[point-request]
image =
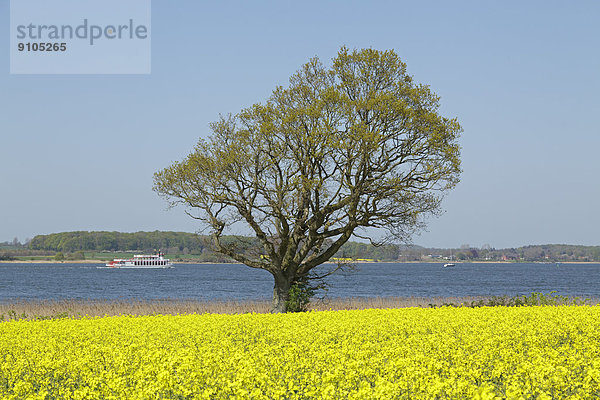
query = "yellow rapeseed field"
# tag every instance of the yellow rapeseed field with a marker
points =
(489, 352)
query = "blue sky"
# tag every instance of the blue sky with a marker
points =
(78, 152)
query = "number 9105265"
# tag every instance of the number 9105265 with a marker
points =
(42, 46)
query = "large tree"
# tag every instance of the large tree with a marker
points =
(351, 149)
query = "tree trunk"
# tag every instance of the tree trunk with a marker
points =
(281, 293)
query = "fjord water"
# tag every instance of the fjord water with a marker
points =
(207, 282)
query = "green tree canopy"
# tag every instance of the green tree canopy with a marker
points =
(341, 149)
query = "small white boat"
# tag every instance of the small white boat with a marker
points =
(450, 264)
(141, 261)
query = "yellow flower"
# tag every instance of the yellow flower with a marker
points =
(454, 353)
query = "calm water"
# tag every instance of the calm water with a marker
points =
(230, 281)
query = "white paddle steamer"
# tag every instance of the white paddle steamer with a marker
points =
(141, 261)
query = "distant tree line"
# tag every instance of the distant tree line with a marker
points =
(531, 253)
(184, 243)
(68, 242)
(14, 244)
(366, 251)
(180, 243)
